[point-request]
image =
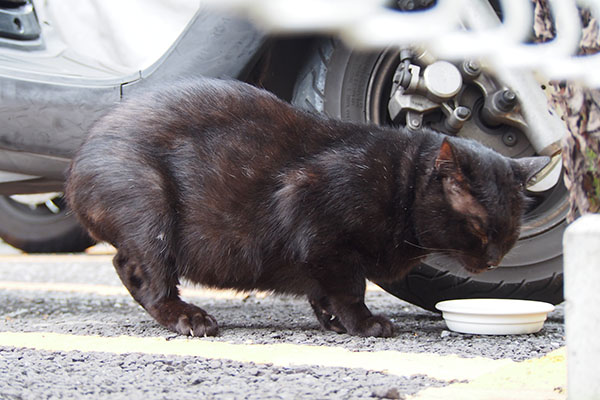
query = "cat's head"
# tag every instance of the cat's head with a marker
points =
(471, 202)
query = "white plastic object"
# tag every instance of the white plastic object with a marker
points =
(494, 316)
(581, 244)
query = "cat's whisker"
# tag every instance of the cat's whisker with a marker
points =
(436, 257)
(517, 246)
(432, 248)
(416, 245)
(419, 258)
(426, 231)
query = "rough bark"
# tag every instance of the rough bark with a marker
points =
(579, 107)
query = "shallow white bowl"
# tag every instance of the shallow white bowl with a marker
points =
(494, 316)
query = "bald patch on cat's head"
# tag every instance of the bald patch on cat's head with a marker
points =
(462, 201)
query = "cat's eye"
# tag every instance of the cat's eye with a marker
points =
(478, 229)
(484, 240)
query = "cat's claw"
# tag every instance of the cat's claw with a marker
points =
(326, 319)
(333, 324)
(185, 319)
(198, 324)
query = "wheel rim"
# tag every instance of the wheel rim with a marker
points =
(47, 208)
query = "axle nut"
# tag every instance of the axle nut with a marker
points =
(505, 100)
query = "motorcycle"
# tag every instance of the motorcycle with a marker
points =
(49, 98)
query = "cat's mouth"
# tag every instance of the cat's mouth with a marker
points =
(471, 264)
(475, 265)
(476, 270)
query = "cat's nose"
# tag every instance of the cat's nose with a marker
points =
(494, 257)
(494, 262)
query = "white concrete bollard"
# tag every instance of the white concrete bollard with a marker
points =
(582, 309)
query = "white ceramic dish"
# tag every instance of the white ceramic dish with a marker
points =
(494, 316)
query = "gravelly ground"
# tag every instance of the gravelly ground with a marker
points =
(254, 319)
(30, 374)
(33, 374)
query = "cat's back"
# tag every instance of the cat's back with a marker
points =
(207, 118)
(189, 108)
(206, 140)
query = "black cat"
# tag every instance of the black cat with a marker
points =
(226, 185)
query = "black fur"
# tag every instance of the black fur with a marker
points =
(225, 185)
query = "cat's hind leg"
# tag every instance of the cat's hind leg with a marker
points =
(160, 297)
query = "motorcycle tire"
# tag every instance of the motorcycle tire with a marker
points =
(335, 81)
(36, 229)
(12, 3)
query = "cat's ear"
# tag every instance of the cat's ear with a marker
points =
(529, 166)
(454, 185)
(446, 162)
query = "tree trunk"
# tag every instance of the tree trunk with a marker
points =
(579, 107)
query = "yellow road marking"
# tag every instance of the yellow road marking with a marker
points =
(440, 367)
(543, 378)
(8, 253)
(104, 290)
(44, 258)
(101, 248)
(109, 290)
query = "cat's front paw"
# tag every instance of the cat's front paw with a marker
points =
(184, 318)
(326, 319)
(197, 324)
(375, 325)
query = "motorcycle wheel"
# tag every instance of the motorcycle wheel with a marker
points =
(43, 225)
(352, 85)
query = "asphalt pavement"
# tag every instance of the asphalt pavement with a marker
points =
(68, 329)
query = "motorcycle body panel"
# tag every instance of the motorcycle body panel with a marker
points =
(50, 97)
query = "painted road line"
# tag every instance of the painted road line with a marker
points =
(52, 258)
(101, 249)
(109, 290)
(543, 378)
(103, 290)
(441, 367)
(98, 249)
